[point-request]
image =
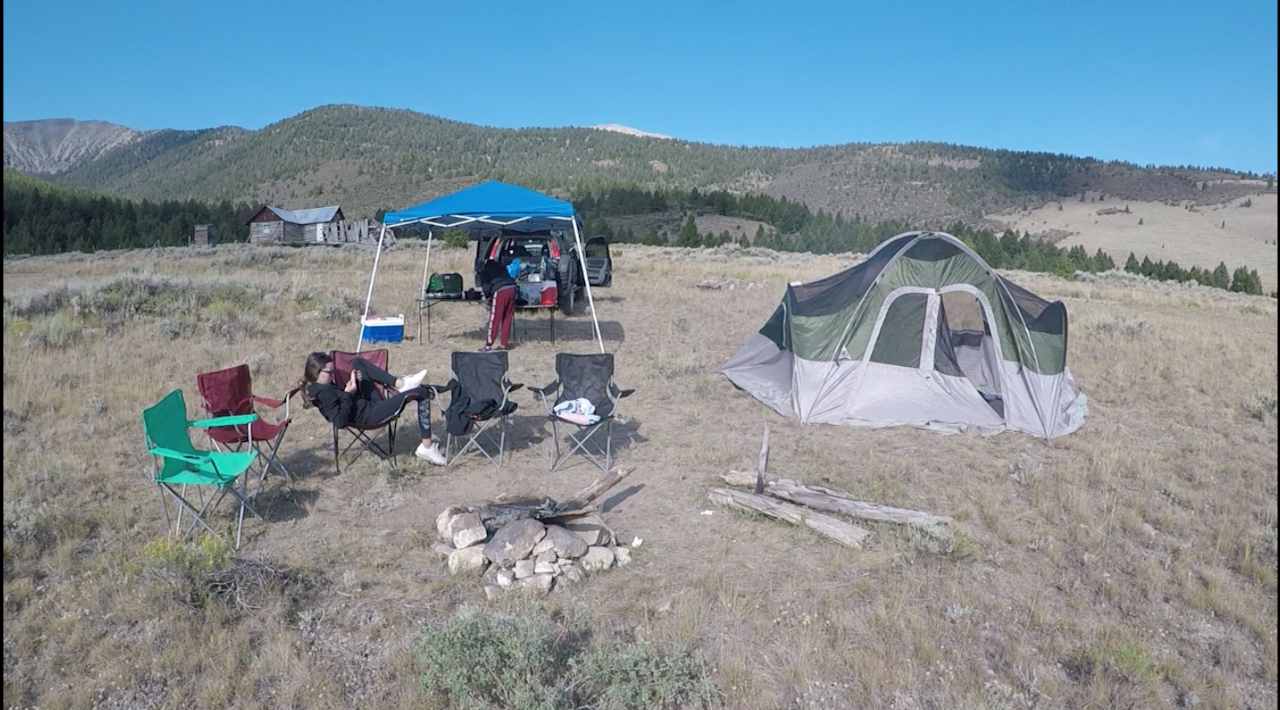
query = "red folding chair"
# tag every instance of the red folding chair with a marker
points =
(342, 365)
(229, 392)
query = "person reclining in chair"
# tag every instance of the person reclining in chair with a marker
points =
(359, 402)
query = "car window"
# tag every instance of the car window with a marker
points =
(597, 249)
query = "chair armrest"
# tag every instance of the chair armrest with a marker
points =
(438, 390)
(513, 386)
(175, 454)
(547, 390)
(267, 401)
(224, 421)
(626, 393)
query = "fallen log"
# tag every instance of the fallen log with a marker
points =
(834, 528)
(835, 501)
(585, 497)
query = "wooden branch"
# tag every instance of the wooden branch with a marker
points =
(828, 526)
(585, 497)
(762, 463)
(834, 501)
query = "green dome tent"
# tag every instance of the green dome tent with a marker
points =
(922, 333)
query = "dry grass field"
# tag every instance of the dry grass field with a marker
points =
(1132, 564)
(1241, 232)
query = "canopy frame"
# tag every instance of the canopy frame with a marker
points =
(471, 222)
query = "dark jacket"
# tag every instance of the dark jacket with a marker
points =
(335, 405)
(493, 277)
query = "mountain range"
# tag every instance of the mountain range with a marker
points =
(376, 158)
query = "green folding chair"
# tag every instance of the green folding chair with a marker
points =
(179, 464)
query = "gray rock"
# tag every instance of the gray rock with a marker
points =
(545, 545)
(548, 557)
(565, 543)
(443, 549)
(622, 556)
(505, 578)
(524, 568)
(597, 559)
(468, 560)
(571, 572)
(590, 529)
(442, 521)
(514, 541)
(538, 582)
(491, 592)
(546, 568)
(466, 530)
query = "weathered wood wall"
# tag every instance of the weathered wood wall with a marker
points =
(203, 236)
(337, 232)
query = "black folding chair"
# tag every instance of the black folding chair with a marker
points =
(588, 377)
(343, 362)
(480, 401)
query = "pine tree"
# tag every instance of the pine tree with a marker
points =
(1147, 269)
(1131, 264)
(689, 234)
(1221, 278)
(1240, 282)
(1102, 261)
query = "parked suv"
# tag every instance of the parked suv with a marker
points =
(552, 274)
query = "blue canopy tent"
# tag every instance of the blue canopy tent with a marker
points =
(482, 207)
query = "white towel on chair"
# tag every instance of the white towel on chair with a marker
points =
(579, 411)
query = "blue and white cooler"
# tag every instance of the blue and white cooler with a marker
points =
(386, 329)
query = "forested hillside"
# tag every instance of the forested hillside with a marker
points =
(40, 218)
(373, 158)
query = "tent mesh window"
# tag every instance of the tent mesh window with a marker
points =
(902, 332)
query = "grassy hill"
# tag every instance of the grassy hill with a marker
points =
(371, 158)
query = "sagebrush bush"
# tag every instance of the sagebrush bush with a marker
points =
(640, 675)
(56, 332)
(1261, 407)
(480, 660)
(184, 565)
(483, 660)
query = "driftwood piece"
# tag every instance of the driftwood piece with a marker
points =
(501, 512)
(834, 501)
(762, 463)
(585, 497)
(845, 533)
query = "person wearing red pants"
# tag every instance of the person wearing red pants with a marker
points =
(501, 288)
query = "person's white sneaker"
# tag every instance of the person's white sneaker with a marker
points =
(430, 453)
(408, 382)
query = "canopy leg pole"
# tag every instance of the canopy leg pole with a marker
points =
(426, 264)
(368, 298)
(422, 295)
(582, 261)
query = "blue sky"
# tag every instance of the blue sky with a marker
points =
(1149, 82)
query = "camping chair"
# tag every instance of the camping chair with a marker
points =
(342, 366)
(480, 398)
(230, 392)
(587, 377)
(178, 463)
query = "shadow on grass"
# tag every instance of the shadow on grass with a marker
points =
(616, 499)
(524, 432)
(574, 330)
(626, 433)
(283, 503)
